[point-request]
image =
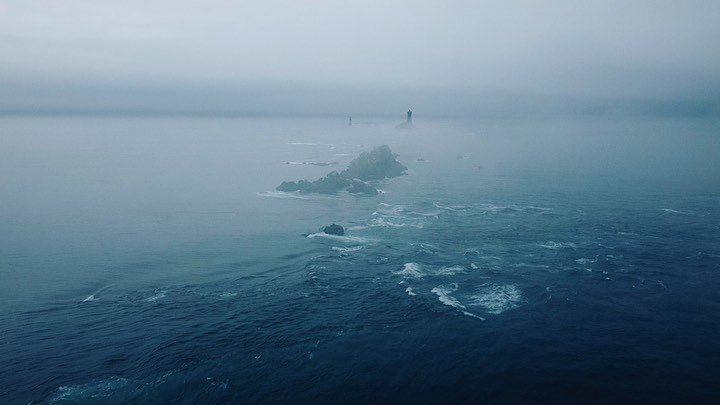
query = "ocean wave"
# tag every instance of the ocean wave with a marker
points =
(508, 209)
(455, 208)
(347, 239)
(585, 260)
(671, 211)
(443, 293)
(347, 249)
(497, 298)
(158, 296)
(381, 222)
(450, 270)
(557, 245)
(410, 270)
(537, 266)
(94, 390)
(282, 194)
(426, 248)
(409, 291)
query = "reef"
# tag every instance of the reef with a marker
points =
(379, 163)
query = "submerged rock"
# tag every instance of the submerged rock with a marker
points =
(334, 229)
(380, 163)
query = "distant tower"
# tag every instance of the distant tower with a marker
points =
(350, 121)
(409, 117)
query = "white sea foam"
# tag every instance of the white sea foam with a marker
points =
(474, 266)
(343, 238)
(557, 245)
(671, 211)
(84, 392)
(409, 291)
(537, 266)
(497, 298)
(347, 249)
(585, 260)
(158, 296)
(443, 293)
(450, 270)
(410, 270)
(282, 194)
(450, 207)
(384, 223)
(90, 298)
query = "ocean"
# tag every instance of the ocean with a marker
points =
(543, 260)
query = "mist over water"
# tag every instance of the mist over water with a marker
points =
(152, 259)
(549, 232)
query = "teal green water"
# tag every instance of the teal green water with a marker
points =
(557, 260)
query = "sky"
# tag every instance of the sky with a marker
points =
(448, 57)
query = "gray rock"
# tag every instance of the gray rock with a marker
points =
(361, 187)
(380, 163)
(334, 229)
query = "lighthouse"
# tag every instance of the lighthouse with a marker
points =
(409, 117)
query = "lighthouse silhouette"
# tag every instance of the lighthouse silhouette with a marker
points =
(409, 117)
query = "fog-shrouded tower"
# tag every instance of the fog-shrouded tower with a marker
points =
(409, 117)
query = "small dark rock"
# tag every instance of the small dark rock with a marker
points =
(334, 229)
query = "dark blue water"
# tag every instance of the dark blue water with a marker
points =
(149, 260)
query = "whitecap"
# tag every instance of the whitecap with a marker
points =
(671, 211)
(450, 270)
(537, 266)
(355, 239)
(474, 266)
(384, 223)
(159, 295)
(497, 298)
(410, 270)
(443, 293)
(409, 291)
(557, 245)
(91, 297)
(585, 260)
(450, 207)
(347, 249)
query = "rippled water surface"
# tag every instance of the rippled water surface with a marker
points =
(151, 260)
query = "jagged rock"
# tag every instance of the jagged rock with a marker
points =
(330, 184)
(380, 163)
(361, 187)
(334, 229)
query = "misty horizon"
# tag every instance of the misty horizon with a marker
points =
(281, 58)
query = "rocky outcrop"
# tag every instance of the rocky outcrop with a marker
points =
(380, 163)
(334, 229)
